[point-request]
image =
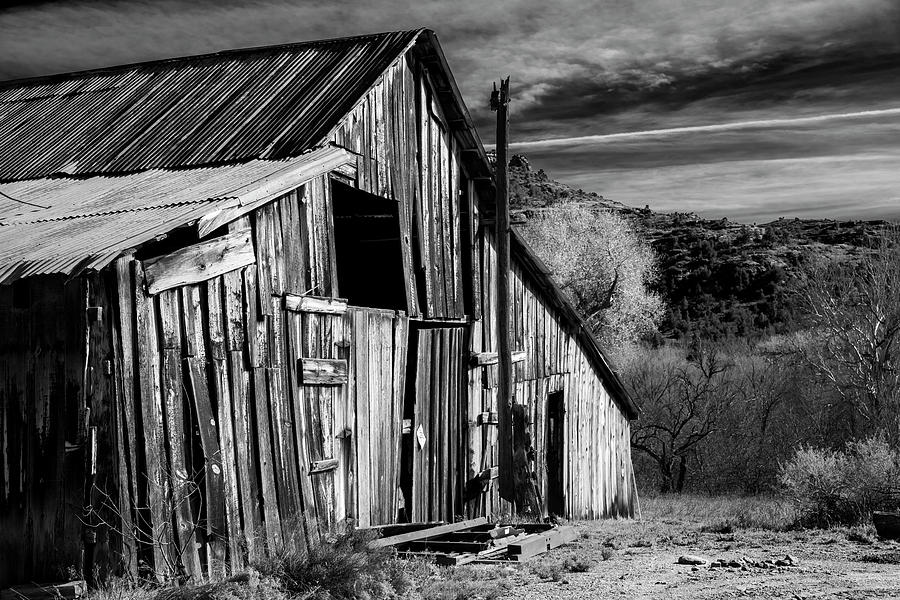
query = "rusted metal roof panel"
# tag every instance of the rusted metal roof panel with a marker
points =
(262, 103)
(66, 225)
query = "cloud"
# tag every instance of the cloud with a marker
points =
(835, 167)
(715, 128)
(568, 60)
(581, 68)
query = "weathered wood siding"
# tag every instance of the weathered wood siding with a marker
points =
(265, 408)
(597, 454)
(407, 153)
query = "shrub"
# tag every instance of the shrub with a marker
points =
(340, 567)
(548, 569)
(842, 487)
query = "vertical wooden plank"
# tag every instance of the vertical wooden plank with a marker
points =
(362, 470)
(125, 357)
(276, 251)
(326, 408)
(245, 458)
(263, 245)
(400, 345)
(389, 426)
(439, 214)
(266, 467)
(313, 396)
(222, 391)
(298, 401)
(339, 439)
(149, 369)
(184, 488)
(455, 417)
(328, 238)
(424, 204)
(375, 419)
(208, 426)
(287, 486)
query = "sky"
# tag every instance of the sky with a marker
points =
(750, 109)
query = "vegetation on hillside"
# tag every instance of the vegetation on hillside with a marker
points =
(775, 339)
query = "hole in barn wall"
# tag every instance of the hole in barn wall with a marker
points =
(367, 247)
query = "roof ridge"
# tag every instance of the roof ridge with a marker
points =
(111, 69)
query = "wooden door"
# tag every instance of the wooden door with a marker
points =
(437, 457)
(555, 454)
(375, 415)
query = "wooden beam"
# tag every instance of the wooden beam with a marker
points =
(427, 533)
(315, 304)
(447, 546)
(199, 262)
(482, 359)
(67, 591)
(323, 371)
(323, 466)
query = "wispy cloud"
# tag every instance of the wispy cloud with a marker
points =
(735, 126)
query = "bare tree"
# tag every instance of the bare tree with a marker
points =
(684, 395)
(604, 266)
(852, 333)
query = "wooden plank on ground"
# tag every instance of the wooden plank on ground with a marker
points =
(446, 546)
(426, 533)
(199, 262)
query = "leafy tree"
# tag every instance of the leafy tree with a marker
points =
(605, 268)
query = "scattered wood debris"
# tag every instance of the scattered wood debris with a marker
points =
(475, 541)
(72, 590)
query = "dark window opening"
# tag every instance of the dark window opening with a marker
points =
(368, 249)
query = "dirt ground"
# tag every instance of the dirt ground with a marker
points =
(631, 559)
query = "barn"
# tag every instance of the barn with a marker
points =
(251, 296)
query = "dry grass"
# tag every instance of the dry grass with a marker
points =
(342, 567)
(467, 583)
(721, 514)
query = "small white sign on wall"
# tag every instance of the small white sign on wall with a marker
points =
(420, 436)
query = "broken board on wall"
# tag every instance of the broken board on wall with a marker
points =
(477, 541)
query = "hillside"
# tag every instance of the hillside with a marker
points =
(719, 277)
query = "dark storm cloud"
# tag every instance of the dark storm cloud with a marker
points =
(569, 60)
(582, 68)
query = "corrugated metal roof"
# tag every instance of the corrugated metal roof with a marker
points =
(66, 225)
(260, 103)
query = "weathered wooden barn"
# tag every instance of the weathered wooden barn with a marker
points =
(251, 295)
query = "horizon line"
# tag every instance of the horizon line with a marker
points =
(702, 128)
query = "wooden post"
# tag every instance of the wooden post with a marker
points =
(499, 103)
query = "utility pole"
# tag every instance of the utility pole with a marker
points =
(517, 484)
(500, 104)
